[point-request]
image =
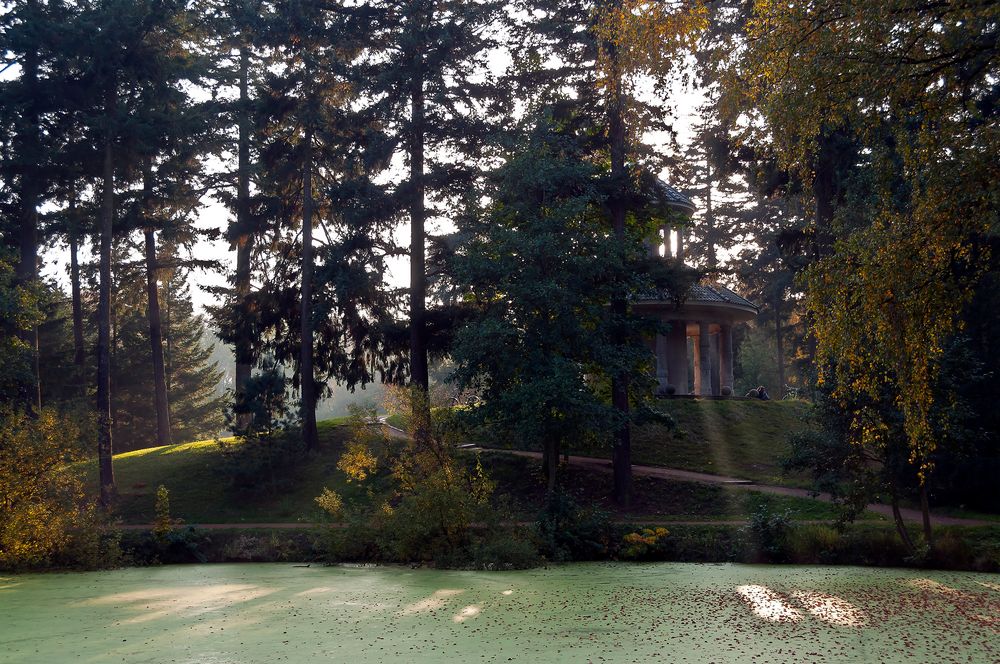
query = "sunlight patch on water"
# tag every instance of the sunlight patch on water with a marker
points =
(830, 609)
(507, 592)
(315, 591)
(933, 586)
(767, 604)
(432, 603)
(985, 584)
(154, 603)
(470, 611)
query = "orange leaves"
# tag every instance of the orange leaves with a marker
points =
(647, 37)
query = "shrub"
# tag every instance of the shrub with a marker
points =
(163, 524)
(43, 508)
(643, 544)
(812, 544)
(767, 534)
(567, 531)
(266, 446)
(504, 549)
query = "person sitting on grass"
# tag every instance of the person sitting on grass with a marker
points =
(762, 394)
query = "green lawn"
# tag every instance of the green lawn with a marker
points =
(745, 439)
(654, 498)
(199, 492)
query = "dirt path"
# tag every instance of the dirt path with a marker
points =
(604, 465)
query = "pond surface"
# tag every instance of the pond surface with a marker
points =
(215, 614)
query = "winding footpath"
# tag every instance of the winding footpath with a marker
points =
(659, 472)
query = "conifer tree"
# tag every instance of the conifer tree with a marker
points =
(428, 77)
(602, 48)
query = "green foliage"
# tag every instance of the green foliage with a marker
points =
(768, 532)
(539, 272)
(266, 449)
(163, 525)
(757, 362)
(192, 380)
(20, 308)
(44, 512)
(420, 504)
(568, 531)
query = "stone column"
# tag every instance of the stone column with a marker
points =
(714, 355)
(662, 363)
(696, 363)
(677, 356)
(726, 358)
(704, 363)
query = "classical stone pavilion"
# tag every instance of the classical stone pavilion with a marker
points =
(696, 356)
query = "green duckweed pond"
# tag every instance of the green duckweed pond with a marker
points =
(601, 612)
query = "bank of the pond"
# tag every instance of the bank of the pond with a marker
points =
(770, 541)
(573, 613)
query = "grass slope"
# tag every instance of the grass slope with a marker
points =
(745, 439)
(199, 492)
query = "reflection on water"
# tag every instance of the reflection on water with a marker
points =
(830, 609)
(432, 603)
(153, 603)
(767, 604)
(470, 611)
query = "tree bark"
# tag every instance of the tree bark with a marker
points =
(160, 399)
(309, 433)
(156, 344)
(779, 343)
(79, 352)
(925, 514)
(897, 517)
(418, 278)
(29, 148)
(243, 350)
(621, 454)
(104, 445)
(710, 254)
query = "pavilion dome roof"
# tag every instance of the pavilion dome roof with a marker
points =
(704, 293)
(667, 196)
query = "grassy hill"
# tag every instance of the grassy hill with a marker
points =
(200, 492)
(745, 439)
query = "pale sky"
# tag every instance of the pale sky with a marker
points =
(215, 215)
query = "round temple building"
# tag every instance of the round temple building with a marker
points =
(695, 355)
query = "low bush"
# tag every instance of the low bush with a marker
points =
(567, 531)
(768, 533)
(267, 446)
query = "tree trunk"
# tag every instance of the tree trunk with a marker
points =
(156, 344)
(104, 446)
(710, 254)
(244, 239)
(160, 403)
(897, 516)
(29, 148)
(309, 433)
(79, 352)
(551, 464)
(621, 454)
(418, 277)
(779, 343)
(925, 514)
